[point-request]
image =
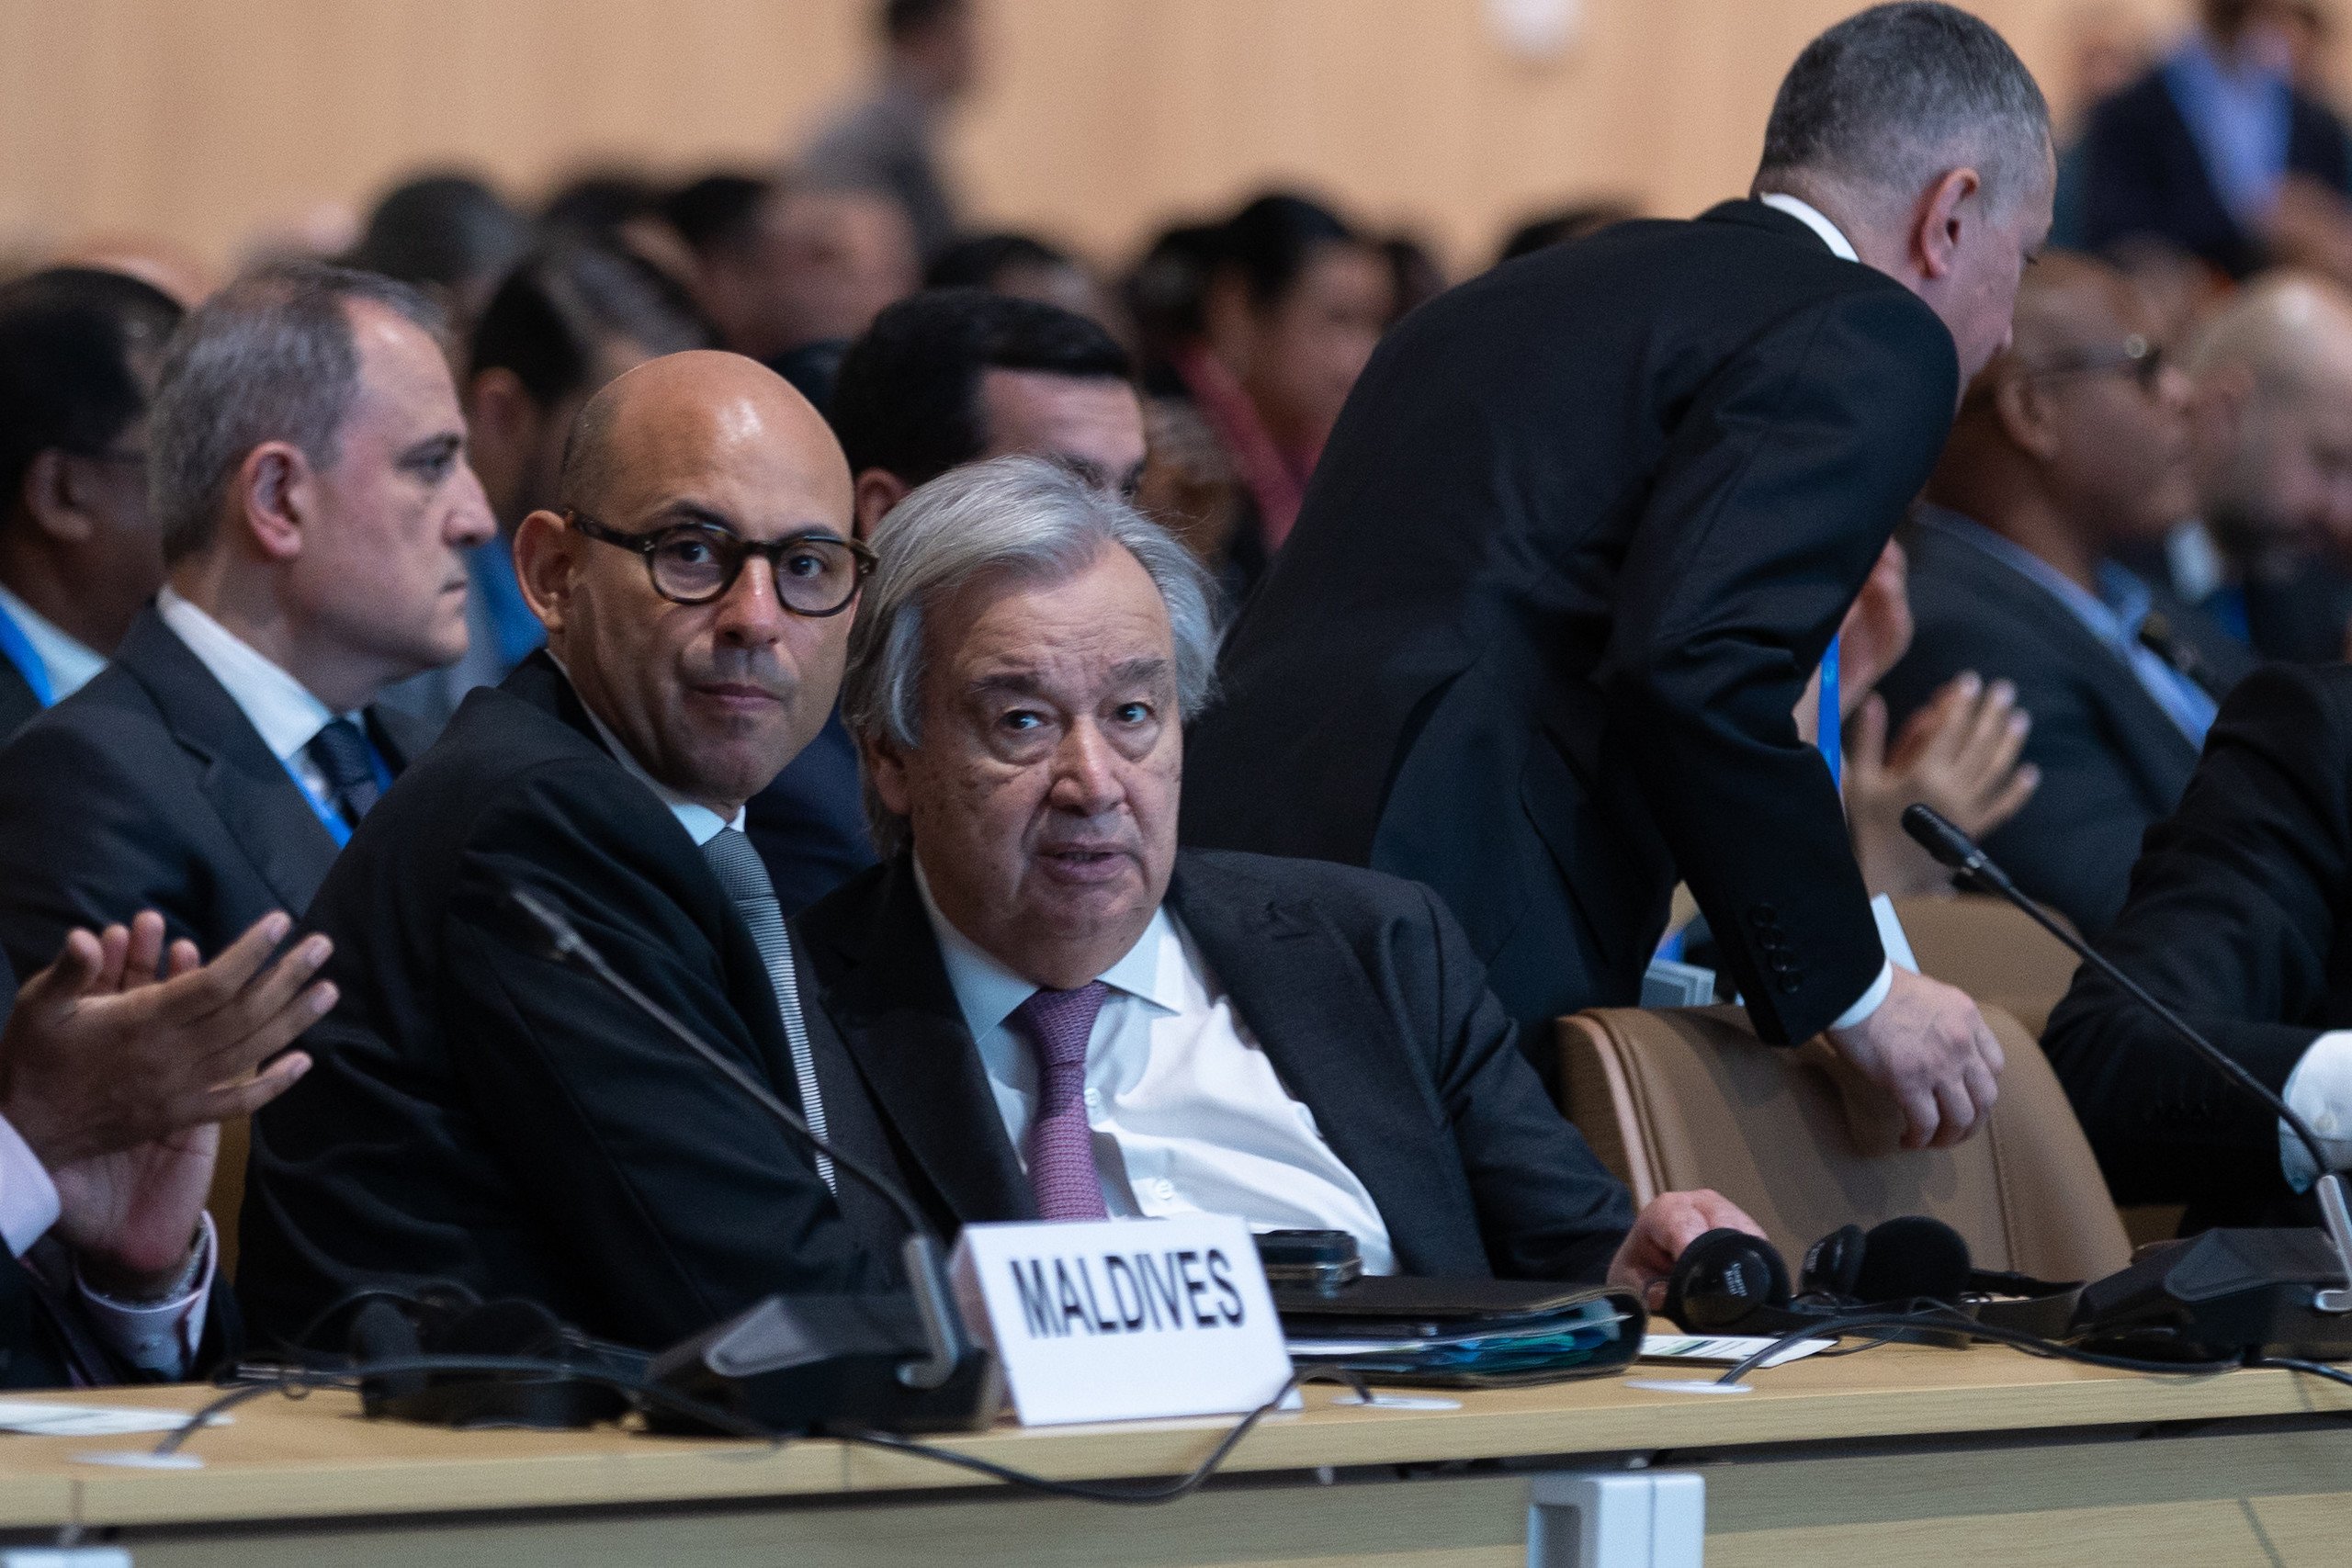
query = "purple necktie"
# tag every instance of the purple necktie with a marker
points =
(1061, 1143)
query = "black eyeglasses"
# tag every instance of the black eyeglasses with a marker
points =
(2143, 359)
(694, 563)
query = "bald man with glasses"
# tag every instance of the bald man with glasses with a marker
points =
(485, 1115)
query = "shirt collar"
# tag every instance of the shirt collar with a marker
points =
(701, 823)
(69, 661)
(2116, 610)
(987, 992)
(287, 713)
(1811, 217)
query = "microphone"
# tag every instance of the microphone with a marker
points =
(949, 1355)
(1951, 846)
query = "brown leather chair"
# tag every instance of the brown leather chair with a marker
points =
(1991, 950)
(227, 1200)
(1691, 1098)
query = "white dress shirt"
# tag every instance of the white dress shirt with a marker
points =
(2320, 1091)
(68, 662)
(157, 1336)
(1843, 249)
(284, 712)
(1188, 1114)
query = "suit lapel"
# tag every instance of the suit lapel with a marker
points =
(2162, 755)
(1303, 993)
(888, 997)
(259, 802)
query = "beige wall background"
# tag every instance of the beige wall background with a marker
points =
(205, 121)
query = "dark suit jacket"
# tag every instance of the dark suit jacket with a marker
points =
(1580, 538)
(2143, 177)
(810, 825)
(1369, 1004)
(150, 789)
(2237, 921)
(481, 1113)
(19, 706)
(2112, 762)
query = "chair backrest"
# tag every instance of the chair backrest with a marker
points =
(227, 1200)
(1691, 1098)
(1992, 951)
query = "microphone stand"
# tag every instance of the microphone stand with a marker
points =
(1951, 848)
(951, 1367)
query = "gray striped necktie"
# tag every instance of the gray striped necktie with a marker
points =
(743, 877)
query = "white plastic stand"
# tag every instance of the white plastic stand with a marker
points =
(1619, 1519)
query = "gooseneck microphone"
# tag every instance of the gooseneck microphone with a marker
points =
(1951, 846)
(947, 1344)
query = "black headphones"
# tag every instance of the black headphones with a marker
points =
(1729, 1281)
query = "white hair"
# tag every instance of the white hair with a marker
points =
(1034, 522)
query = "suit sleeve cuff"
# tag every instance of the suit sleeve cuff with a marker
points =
(28, 1206)
(1898, 952)
(2320, 1091)
(159, 1338)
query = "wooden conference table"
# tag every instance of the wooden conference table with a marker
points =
(1895, 1455)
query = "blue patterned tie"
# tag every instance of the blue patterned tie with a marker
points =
(345, 760)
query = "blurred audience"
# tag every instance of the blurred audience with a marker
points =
(449, 234)
(2071, 449)
(2218, 150)
(944, 379)
(79, 557)
(1415, 275)
(718, 217)
(561, 326)
(308, 477)
(890, 141)
(1560, 227)
(836, 255)
(2271, 428)
(1027, 267)
(1290, 302)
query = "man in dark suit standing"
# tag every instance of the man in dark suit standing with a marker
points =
(2071, 449)
(309, 477)
(1588, 524)
(79, 350)
(2237, 921)
(1061, 1015)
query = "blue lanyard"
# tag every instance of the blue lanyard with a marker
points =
(1826, 731)
(329, 817)
(19, 651)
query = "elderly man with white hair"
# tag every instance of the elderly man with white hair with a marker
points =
(1061, 1016)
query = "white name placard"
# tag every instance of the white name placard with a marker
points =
(1117, 1320)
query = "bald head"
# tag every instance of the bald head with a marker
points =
(2273, 421)
(706, 452)
(2291, 332)
(681, 408)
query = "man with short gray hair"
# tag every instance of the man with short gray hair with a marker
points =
(308, 475)
(1589, 526)
(1062, 1017)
